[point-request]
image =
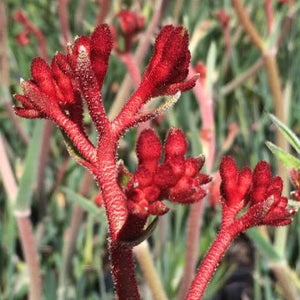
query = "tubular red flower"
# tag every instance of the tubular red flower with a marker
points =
(170, 53)
(260, 195)
(130, 22)
(101, 46)
(177, 179)
(259, 191)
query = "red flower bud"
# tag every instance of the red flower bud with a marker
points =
(223, 17)
(22, 38)
(41, 74)
(148, 149)
(158, 208)
(130, 22)
(176, 144)
(169, 64)
(101, 46)
(261, 191)
(64, 83)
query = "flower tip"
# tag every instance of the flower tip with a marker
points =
(148, 145)
(176, 144)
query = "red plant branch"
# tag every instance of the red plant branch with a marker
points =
(260, 194)
(29, 27)
(205, 104)
(57, 91)
(62, 8)
(270, 15)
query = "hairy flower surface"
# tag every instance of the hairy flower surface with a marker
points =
(258, 192)
(177, 178)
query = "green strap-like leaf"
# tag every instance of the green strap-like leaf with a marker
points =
(26, 183)
(288, 133)
(287, 159)
(85, 203)
(264, 245)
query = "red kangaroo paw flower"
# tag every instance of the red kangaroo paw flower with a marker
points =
(223, 17)
(42, 75)
(176, 144)
(165, 74)
(177, 179)
(295, 177)
(27, 113)
(170, 53)
(64, 84)
(260, 195)
(101, 46)
(129, 24)
(148, 149)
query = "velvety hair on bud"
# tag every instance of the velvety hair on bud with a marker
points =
(176, 144)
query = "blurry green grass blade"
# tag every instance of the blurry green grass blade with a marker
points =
(74, 153)
(88, 247)
(288, 133)
(210, 64)
(85, 203)
(25, 191)
(287, 159)
(263, 244)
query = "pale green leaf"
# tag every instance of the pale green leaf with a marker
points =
(287, 159)
(28, 178)
(288, 133)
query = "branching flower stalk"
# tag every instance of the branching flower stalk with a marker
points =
(57, 92)
(205, 103)
(248, 199)
(270, 63)
(60, 92)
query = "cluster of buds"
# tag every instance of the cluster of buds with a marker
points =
(128, 25)
(177, 179)
(58, 91)
(259, 192)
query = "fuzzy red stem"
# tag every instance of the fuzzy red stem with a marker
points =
(196, 213)
(210, 263)
(31, 256)
(270, 15)
(117, 214)
(123, 272)
(62, 7)
(80, 141)
(193, 233)
(102, 11)
(205, 103)
(129, 111)
(114, 198)
(131, 65)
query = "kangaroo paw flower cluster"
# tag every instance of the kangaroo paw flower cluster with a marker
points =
(177, 179)
(128, 25)
(257, 191)
(259, 194)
